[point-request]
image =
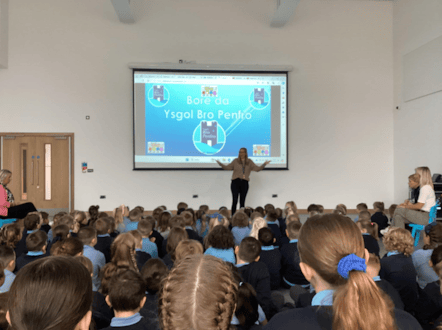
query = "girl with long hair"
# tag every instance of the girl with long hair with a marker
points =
(123, 256)
(333, 260)
(200, 292)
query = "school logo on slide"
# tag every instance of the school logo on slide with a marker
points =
(259, 98)
(209, 137)
(209, 91)
(158, 96)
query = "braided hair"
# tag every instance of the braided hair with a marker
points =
(199, 293)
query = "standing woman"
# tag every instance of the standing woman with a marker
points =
(417, 212)
(241, 166)
(8, 208)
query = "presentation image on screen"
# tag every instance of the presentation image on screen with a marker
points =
(188, 120)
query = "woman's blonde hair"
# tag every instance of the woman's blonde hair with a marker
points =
(399, 239)
(246, 158)
(425, 175)
(358, 303)
(4, 174)
(200, 292)
(258, 223)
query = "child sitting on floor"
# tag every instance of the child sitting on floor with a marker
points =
(141, 256)
(379, 217)
(255, 272)
(153, 273)
(36, 244)
(145, 227)
(7, 262)
(241, 229)
(220, 243)
(397, 266)
(360, 207)
(126, 297)
(271, 256)
(290, 270)
(369, 232)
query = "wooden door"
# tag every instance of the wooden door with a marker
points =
(41, 167)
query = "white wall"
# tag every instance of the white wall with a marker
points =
(417, 123)
(4, 24)
(68, 59)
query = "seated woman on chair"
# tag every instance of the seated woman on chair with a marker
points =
(8, 208)
(418, 212)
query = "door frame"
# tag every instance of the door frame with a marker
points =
(70, 137)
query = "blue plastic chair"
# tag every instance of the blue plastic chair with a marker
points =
(6, 221)
(416, 229)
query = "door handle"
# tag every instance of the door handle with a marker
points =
(38, 173)
(32, 172)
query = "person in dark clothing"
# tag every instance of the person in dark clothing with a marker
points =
(271, 256)
(398, 269)
(104, 240)
(273, 224)
(290, 270)
(36, 244)
(255, 272)
(369, 232)
(45, 224)
(379, 216)
(126, 297)
(153, 272)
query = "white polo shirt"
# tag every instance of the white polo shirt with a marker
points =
(428, 197)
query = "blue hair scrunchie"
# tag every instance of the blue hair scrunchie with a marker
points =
(349, 263)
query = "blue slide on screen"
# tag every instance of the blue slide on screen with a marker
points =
(189, 121)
